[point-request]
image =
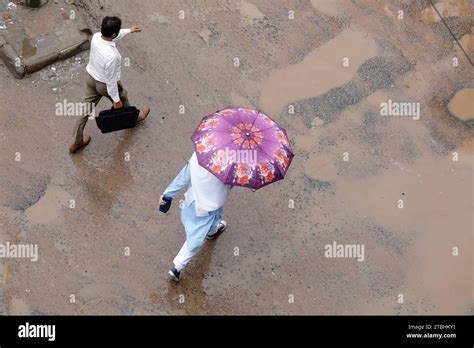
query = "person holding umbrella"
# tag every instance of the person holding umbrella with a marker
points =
(201, 213)
(233, 147)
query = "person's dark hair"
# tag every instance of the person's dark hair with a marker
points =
(110, 26)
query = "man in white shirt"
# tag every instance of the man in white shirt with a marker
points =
(103, 76)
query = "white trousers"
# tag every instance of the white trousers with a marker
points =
(185, 255)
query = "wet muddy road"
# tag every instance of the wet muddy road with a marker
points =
(402, 186)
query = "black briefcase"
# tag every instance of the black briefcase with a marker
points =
(117, 119)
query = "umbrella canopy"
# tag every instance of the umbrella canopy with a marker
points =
(243, 147)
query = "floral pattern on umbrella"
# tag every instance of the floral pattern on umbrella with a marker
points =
(243, 147)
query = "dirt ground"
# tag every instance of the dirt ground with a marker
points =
(352, 165)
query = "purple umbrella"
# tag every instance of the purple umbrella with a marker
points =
(243, 147)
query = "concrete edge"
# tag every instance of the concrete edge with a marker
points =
(19, 68)
(38, 62)
(11, 59)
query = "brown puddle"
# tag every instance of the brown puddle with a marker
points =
(330, 8)
(378, 195)
(239, 100)
(27, 50)
(205, 34)
(450, 8)
(250, 10)
(319, 72)
(48, 208)
(7, 274)
(438, 203)
(320, 167)
(434, 219)
(467, 42)
(305, 142)
(462, 104)
(467, 148)
(436, 216)
(18, 306)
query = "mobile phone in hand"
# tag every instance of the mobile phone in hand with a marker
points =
(165, 207)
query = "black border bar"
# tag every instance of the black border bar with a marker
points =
(139, 330)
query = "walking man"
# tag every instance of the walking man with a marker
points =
(103, 76)
(201, 214)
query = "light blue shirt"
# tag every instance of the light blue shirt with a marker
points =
(196, 227)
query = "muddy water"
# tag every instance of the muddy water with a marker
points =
(437, 194)
(438, 273)
(452, 8)
(250, 10)
(467, 42)
(84, 253)
(27, 50)
(414, 185)
(18, 306)
(7, 274)
(319, 72)
(48, 208)
(205, 34)
(462, 104)
(240, 100)
(305, 142)
(321, 167)
(330, 8)
(436, 217)
(449, 8)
